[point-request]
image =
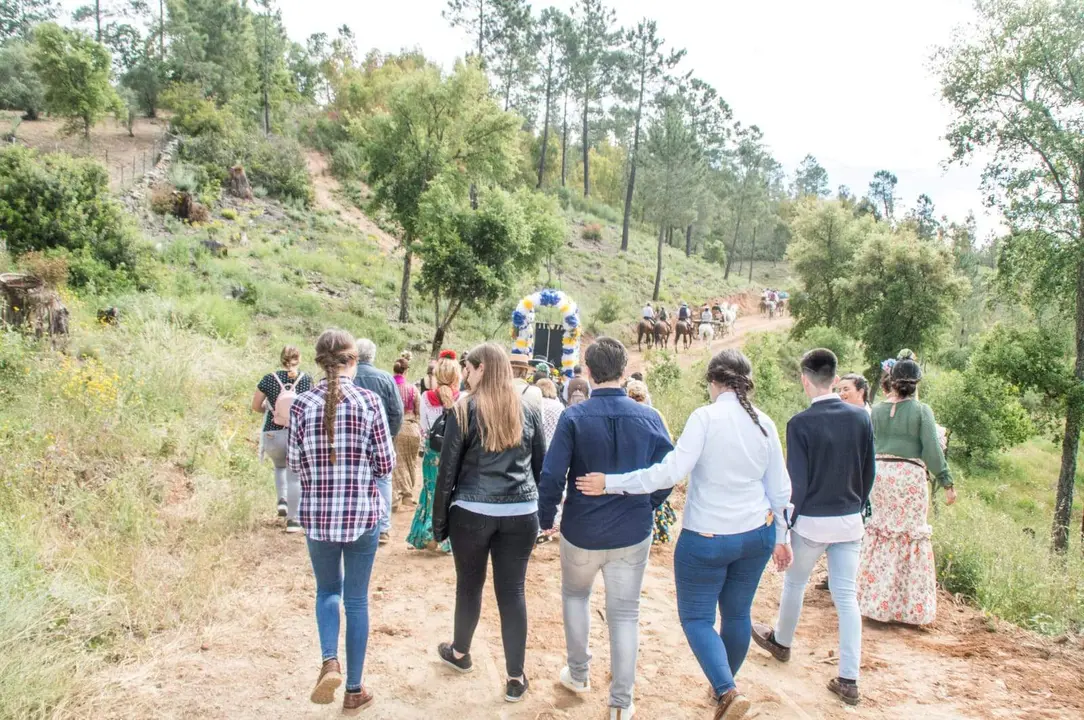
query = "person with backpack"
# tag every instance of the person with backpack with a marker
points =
(577, 389)
(435, 404)
(683, 313)
(487, 504)
(339, 446)
(275, 393)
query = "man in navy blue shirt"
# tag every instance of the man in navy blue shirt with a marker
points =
(831, 461)
(608, 433)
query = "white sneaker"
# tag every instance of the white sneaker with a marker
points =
(623, 713)
(575, 685)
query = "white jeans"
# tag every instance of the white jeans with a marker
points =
(843, 570)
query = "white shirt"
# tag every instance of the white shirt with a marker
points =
(705, 316)
(737, 475)
(648, 312)
(828, 530)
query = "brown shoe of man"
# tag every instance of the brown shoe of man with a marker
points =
(331, 677)
(355, 702)
(764, 636)
(847, 690)
(732, 706)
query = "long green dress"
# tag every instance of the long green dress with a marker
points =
(421, 530)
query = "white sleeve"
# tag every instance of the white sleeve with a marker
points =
(677, 464)
(777, 482)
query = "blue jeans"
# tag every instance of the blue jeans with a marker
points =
(342, 571)
(723, 571)
(384, 486)
(843, 569)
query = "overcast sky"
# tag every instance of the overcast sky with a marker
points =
(846, 80)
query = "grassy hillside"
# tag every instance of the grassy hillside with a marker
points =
(130, 454)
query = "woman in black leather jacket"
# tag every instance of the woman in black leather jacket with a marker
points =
(487, 503)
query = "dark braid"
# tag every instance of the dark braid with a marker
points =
(334, 350)
(731, 369)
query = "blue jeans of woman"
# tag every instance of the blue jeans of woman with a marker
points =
(723, 571)
(342, 573)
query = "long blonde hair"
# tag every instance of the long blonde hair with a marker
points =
(500, 412)
(446, 374)
(335, 349)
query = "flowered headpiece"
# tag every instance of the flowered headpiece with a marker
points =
(447, 355)
(887, 365)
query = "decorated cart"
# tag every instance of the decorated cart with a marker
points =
(556, 344)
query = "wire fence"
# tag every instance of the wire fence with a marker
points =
(127, 169)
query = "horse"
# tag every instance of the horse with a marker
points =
(662, 333)
(728, 317)
(683, 331)
(763, 306)
(771, 310)
(707, 332)
(646, 328)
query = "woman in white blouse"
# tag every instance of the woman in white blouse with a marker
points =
(732, 523)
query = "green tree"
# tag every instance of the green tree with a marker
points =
(18, 17)
(751, 161)
(555, 27)
(20, 86)
(826, 236)
(645, 66)
(75, 72)
(1014, 83)
(515, 57)
(923, 218)
(900, 294)
(673, 175)
(592, 66)
(212, 43)
(810, 179)
(433, 127)
(271, 45)
(882, 191)
(479, 18)
(983, 413)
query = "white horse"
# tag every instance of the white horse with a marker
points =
(707, 332)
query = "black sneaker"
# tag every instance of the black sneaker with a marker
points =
(463, 664)
(282, 508)
(293, 526)
(514, 690)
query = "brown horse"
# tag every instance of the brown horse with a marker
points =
(662, 333)
(683, 331)
(646, 328)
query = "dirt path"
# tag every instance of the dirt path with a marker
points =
(745, 326)
(326, 187)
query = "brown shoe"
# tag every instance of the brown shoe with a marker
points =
(847, 691)
(331, 677)
(732, 706)
(764, 636)
(355, 702)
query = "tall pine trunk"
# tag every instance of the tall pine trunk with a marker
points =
(658, 263)
(404, 289)
(752, 251)
(161, 31)
(734, 245)
(545, 130)
(98, 20)
(586, 144)
(632, 158)
(564, 142)
(1074, 417)
(689, 240)
(266, 111)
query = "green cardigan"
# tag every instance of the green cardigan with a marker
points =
(912, 433)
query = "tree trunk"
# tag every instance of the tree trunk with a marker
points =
(545, 130)
(689, 240)
(98, 20)
(86, 128)
(670, 236)
(1074, 416)
(404, 290)
(481, 31)
(266, 111)
(564, 142)
(161, 31)
(586, 147)
(752, 251)
(734, 244)
(658, 264)
(632, 158)
(438, 327)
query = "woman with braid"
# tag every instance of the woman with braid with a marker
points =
(732, 523)
(339, 445)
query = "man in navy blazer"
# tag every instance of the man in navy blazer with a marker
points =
(831, 461)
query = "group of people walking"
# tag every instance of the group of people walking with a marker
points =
(497, 472)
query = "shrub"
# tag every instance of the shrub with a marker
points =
(184, 178)
(194, 114)
(592, 232)
(278, 164)
(51, 269)
(54, 202)
(325, 133)
(845, 348)
(162, 200)
(664, 373)
(347, 161)
(609, 308)
(982, 411)
(229, 214)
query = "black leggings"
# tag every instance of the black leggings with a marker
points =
(510, 540)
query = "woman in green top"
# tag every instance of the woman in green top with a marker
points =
(896, 580)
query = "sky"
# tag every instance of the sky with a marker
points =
(848, 81)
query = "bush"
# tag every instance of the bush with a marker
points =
(229, 214)
(278, 164)
(982, 411)
(162, 202)
(664, 373)
(347, 161)
(592, 232)
(194, 114)
(845, 348)
(51, 269)
(609, 308)
(184, 178)
(56, 202)
(326, 133)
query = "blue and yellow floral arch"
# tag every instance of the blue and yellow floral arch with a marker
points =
(523, 326)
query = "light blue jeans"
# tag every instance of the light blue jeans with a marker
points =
(623, 572)
(843, 571)
(342, 573)
(384, 486)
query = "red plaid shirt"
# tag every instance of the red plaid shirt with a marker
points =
(340, 502)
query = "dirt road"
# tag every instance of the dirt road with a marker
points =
(258, 655)
(325, 189)
(746, 325)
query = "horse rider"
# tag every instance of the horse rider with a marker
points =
(648, 313)
(683, 312)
